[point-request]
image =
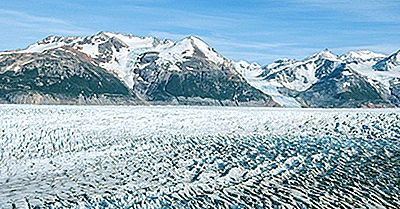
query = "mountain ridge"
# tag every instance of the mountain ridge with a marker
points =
(291, 78)
(154, 71)
(189, 71)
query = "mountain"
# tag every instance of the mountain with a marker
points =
(254, 74)
(284, 78)
(190, 72)
(59, 76)
(343, 87)
(361, 56)
(113, 68)
(355, 79)
(300, 75)
(389, 63)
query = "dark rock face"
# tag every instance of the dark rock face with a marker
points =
(395, 91)
(325, 68)
(106, 49)
(388, 63)
(342, 88)
(59, 76)
(198, 82)
(381, 66)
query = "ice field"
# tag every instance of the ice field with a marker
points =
(198, 157)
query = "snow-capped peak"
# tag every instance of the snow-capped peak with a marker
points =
(389, 63)
(395, 57)
(324, 54)
(118, 52)
(132, 41)
(191, 47)
(361, 55)
(53, 39)
(201, 46)
(300, 75)
(279, 63)
(89, 44)
(50, 42)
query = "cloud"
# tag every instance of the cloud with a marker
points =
(176, 18)
(38, 23)
(380, 48)
(361, 10)
(31, 18)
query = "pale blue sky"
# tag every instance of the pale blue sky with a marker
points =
(258, 30)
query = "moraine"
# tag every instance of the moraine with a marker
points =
(198, 157)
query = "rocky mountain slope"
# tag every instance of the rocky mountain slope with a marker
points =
(59, 76)
(123, 69)
(113, 68)
(354, 79)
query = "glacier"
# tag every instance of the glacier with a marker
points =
(198, 157)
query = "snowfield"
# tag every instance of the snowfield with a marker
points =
(198, 157)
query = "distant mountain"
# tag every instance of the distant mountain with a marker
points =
(59, 76)
(343, 87)
(389, 63)
(123, 69)
(361, 56)
(354, 79)
(300, 75)
(114, 68)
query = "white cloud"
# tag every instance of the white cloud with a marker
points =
(361, 10)
(38, 23)
(31, 18)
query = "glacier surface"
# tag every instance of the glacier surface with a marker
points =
(198, 157)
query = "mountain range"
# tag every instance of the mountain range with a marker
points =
(114, 68)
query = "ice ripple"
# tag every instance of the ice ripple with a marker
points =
(180, 157)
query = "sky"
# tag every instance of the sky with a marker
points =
(257, 31)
